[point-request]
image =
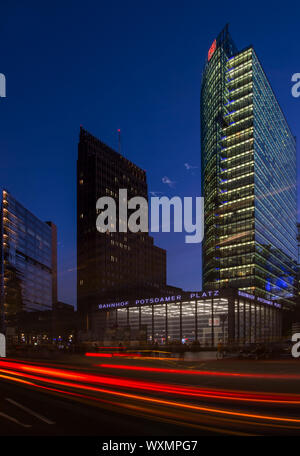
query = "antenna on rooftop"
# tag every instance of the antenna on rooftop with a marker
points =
(119, 140)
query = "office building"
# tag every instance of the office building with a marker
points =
(248, 178)
(111, 264)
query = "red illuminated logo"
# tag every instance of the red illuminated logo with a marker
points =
(212, 49)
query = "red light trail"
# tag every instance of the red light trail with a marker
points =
(115, 355)
(157, 387)
(198, 372)
(41, 377)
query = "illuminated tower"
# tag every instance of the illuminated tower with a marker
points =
(248, 177)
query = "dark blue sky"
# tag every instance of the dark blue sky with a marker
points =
(128, 64)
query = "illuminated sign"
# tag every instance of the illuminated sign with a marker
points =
(159, 300)
(113, 305)
(212, 49)
(246, 295)
(193, 296)
(264, 301)
(204, 294)
(216, 321)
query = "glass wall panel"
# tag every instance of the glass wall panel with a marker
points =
(220, 321)
(134, 313)
(173, 310)
(204, 328)
(146, 321)
(188, 322)
(160, 323)
(122, 317)
(112, 318)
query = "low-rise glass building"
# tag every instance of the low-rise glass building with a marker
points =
(209, 317)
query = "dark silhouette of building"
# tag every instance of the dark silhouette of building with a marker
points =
(54, 261)
(111, 265)
(65, 323)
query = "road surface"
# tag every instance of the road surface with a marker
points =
(130, 396)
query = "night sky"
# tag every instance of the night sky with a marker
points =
(128, 64)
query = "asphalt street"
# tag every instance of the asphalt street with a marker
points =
(133, 397)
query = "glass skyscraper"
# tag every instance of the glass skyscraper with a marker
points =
(28, 263)
(248, 178)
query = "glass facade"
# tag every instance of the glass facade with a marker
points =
(248, 178)
(240, 318)
(26, 261)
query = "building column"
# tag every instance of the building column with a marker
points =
(255, 323)
(231, 320)
(244, 320)
(180, 322)
(166, 323)
(196, 321)
(212, 324)
(152, 324)
(238, 320)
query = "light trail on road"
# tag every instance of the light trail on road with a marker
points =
(157, 387)
(92, 385)
(202, 372)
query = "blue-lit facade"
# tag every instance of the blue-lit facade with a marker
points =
(27, 267)
(248, 178)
